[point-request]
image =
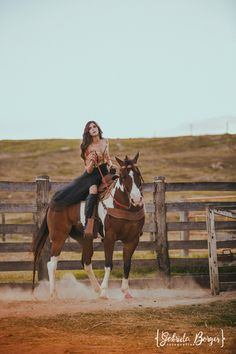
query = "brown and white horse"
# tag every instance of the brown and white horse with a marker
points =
(122, 216)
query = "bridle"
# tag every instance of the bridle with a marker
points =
(109, 192)
(137, 170)
(127, 192)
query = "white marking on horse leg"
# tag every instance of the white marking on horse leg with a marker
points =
(93, 280)
(52, 266)
(125, 289)
(125, 284)
(104, 285)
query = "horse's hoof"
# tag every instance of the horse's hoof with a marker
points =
(98, 290)
(127, 295)
(103, 295)
(53, 295)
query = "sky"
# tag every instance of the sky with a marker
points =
(140, 68)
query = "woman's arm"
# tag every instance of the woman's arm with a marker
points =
(90, 161)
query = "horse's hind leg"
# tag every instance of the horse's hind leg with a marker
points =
(87, 263)
(52, 266)
(58, 226)
(128, 251)
(56, 248)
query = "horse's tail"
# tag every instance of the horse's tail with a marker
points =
(38, 243)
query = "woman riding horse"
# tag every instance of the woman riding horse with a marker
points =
(95, 153)
(121, 212)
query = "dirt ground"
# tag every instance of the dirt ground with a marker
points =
(79, 322)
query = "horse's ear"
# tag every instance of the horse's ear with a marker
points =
(136, 158)
(120, 162)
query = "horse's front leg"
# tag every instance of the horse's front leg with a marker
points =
(87, 263)
(109, 243)
(128, 251)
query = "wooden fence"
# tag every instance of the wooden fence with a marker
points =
(157, 224)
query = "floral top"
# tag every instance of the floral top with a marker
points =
(102, 151)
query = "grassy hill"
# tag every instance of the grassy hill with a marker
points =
(190, 158)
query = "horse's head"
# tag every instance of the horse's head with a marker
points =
(130, 179)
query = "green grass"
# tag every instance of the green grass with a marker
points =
(192, 157)
(36, 146)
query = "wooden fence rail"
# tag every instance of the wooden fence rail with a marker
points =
(158, 224)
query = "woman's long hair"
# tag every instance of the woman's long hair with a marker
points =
(87, 139)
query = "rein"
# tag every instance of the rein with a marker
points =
(108, 189)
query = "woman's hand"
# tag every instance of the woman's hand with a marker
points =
(91, 161)
(93, 157)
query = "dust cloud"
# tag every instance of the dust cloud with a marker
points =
(77, 296)
(68, 288)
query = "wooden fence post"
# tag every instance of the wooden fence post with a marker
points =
(184, 235)
(212, 253)
(42, 197)
(161, 233)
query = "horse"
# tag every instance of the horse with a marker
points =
(121, 214)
